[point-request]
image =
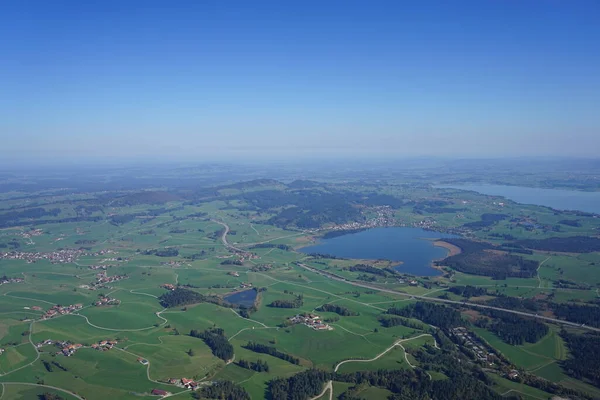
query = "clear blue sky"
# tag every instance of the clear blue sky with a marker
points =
(204, 79)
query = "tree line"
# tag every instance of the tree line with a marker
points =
(216, 340)
(284, 303)
(434, 314)
(340, 310)
(272, 351)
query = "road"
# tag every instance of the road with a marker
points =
(224, 236)
(438, 300)
(47, 386)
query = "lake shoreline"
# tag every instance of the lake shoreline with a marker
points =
(452, 249)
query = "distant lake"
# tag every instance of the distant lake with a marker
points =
(408, 245)
(244, 298)
(558, 199)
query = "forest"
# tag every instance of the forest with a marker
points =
(584, 356)
(512, 328)
(272, 351)
(434, 314)
(478, 258)
(468, 291)
(340, 310)
(222, 390)
(579, 313)
(216, 340)
(389, 321)
(486, 221)
(284, 303)
(180, 297)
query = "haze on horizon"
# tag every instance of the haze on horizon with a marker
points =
(212, 79)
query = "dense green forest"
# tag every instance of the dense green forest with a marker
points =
(584, 356)
(434, 314)
(222, 390)
(216, 340)
(487, 220)
(468, 291)
(388, 321)
(272, 351)
(512, 328)
(478, 258)
(180, 297)
(579, 313)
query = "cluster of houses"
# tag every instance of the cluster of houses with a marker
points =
(245, 285)
(31, 233)
(142, 361)
(184, 382)
(68, 349)
(234, 273)
(172, 263)
(104, 345)
(46, 342)
(97, 267)
(106, 301)
(61, 310)
(6, 279)
(471, 343)
(310, 320)
(102, 279)
(168, 286)
(55, 257)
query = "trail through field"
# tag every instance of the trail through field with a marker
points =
(525, 394)
(396, 343)
(254, 229)
(124, 330)
(538, 272)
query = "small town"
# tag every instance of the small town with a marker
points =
(61, 310)
(55, 257)
(311, 320)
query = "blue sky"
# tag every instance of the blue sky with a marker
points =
(227, 79)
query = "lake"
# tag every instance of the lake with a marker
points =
(558, 199)
(244, 298)
(409, 245)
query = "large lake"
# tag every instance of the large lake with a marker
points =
(244, 298)
(413, 246)
(556, 198)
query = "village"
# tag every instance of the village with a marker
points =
(59, 310)
(102, 279)
(311, 320)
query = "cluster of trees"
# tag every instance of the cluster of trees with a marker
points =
(571, 244)
(584, 357)
(231, 262)
(166, 252)
(272, 246)
(512, 328)
(487, 220)
(389, 321)
(223, 390)
(272, 351)
(476, 259)
(404, 384)
(371, 270)
(468, 291)
(13, 218)
(216, 340)
(340, 310)
(579, 313)
(570, 222)
(434, 314)
(258, 366)
(50, 366)
(284, 303)
(301, 386)
(180, 297)
(515, 303)
(50, 396)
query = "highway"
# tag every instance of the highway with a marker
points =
(438, 300)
